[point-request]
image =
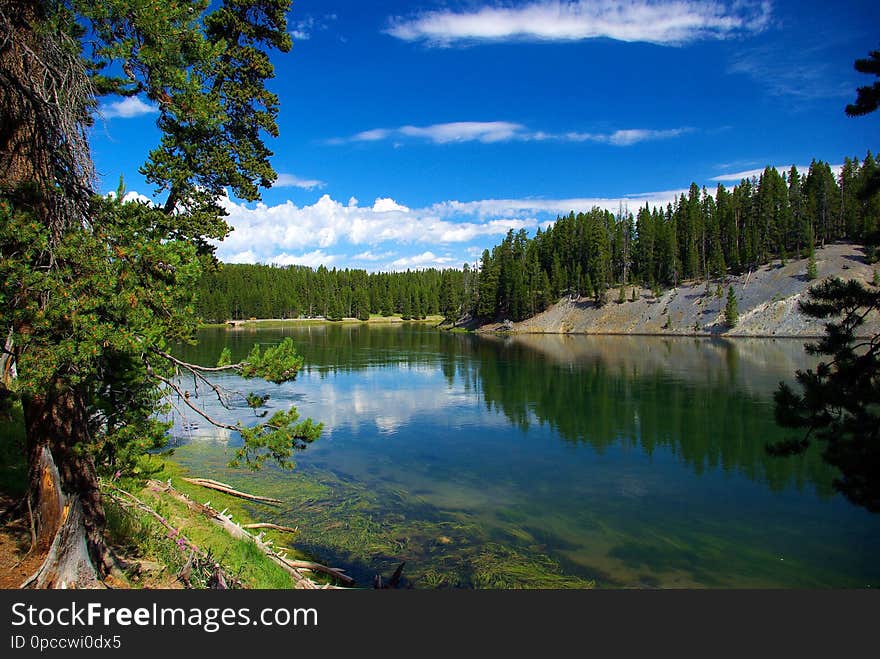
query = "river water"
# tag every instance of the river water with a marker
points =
(542, 460)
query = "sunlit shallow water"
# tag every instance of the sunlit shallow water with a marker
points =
(543, 461)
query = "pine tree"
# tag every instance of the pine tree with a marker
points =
(837, 403)
(731, 312)
(93, 362)
(812, 268)
(487, 306)
(363, 304)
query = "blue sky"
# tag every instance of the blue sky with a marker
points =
(415, 134)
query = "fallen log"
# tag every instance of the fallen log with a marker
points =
(218, 579)
(317, 567)
(266, 525)
(237, 531)
(228, 489)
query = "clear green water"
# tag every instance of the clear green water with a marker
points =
(545, 461)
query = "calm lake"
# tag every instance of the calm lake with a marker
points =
(542, 461)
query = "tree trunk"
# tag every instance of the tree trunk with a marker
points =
(64, 494)
(45, 167)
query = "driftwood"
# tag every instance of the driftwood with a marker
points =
(274, 527)
(218, 578)
(237, 531)
(317, 567)
(228, 489)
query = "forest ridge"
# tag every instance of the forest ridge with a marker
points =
(700, 236)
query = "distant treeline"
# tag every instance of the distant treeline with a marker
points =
(700, 236)
(237, 291)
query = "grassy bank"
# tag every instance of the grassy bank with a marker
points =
(159, 555)
(154, 557)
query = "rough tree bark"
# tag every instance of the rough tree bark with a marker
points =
(64, 493)
(44, 93)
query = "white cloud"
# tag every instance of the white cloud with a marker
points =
(736, 177)
(629, 136)
(303, 30)
(370, 256)
(372, 135)
(518, 208)
(266, 230)
(423, 260)
(489, 132)
(294, 181)
(664, 22)
(385, 205)
(465, 131)
(288, 233)
(131, 196)
(310, 259)
(127, 108)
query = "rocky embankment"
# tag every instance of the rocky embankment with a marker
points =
(767, 300)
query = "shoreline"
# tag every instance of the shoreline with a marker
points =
(378, 320)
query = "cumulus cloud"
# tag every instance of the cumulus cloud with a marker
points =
(489, 132)
(502, 209)
(294, 181)
(386, 205)
(287, 233)
(132, 196)
(267, 230)
(424, 260)
(370, 256)
(736, 177)
(663, 22)
(127, 108)
(309, 259)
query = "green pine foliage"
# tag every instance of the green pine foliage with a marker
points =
(837, 405)
(96, 291)
(812, 268)
(731, 310)
(761, 219)
(580, 255)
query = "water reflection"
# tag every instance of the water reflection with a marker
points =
(628, 460)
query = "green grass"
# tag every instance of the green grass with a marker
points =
(143, 537)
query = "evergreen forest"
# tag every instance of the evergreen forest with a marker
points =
(702, 235)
